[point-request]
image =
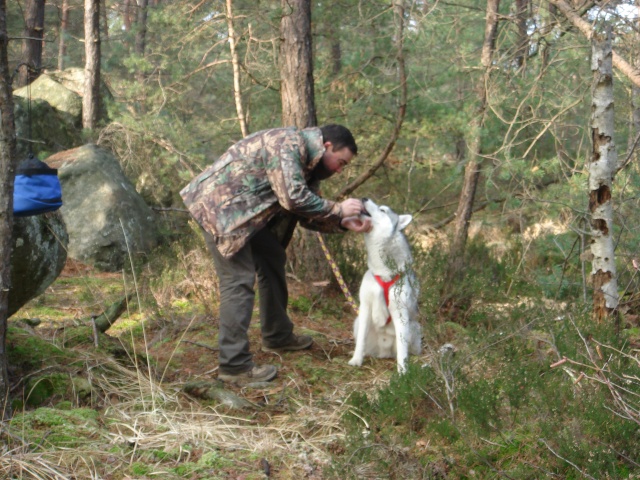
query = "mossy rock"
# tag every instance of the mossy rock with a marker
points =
(27, 351)
(39, 390)
(53, 427)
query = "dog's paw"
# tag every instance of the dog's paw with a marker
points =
(355, 362)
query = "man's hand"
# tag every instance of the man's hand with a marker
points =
(357, 224)
(351, 207)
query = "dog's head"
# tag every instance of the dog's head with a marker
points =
(385, 222)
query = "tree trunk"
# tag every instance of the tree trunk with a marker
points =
(32, 42)
(237, 91)
(7, 175)
(90, 99)
(602, 167)
(522, 47)
(62, 34)
(141, 27)
(296, 65)
(449, 297)
(126, 15)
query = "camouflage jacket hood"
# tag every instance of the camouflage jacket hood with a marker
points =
(263, 174)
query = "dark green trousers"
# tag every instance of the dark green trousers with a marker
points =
(265, 257)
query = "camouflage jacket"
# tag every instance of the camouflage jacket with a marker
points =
(264, 174)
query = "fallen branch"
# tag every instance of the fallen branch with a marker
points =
(104, 321)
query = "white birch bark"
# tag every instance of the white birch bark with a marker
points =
(602, 167)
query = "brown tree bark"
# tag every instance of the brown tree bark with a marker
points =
(62, 34)
(449, 298)
(522, 47)
(141, 27)
(91, 97)
(602, 167)
(127, 19)
(7, 175)
(32, 43)
(296, 65)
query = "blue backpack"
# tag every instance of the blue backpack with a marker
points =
(37, 188)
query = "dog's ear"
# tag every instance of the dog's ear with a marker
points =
(403, 221)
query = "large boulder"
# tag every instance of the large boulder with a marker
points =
(107, 220)
(38, 256)
(42, 129)
(67, 102)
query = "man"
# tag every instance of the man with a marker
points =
(248, 203)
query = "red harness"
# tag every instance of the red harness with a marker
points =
(385, 288)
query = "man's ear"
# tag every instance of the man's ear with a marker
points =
(403, 221)
(327, 145)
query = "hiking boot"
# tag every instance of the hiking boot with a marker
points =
(259, 373)
(293, 343)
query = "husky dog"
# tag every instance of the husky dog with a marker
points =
(386, 325)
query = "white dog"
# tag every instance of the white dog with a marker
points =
(386, 325)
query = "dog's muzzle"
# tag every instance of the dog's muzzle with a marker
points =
(364, 209)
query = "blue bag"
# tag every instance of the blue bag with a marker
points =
(37, 188)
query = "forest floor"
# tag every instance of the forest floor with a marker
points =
(288, 428)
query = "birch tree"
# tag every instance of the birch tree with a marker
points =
(602, 168)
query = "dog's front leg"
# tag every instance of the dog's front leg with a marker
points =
(403, 337)
(360, 331)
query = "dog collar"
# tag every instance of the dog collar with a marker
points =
(385, 288)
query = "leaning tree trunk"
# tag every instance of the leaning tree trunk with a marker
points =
(586, 29)
(91, 97)
(32, 43)
(450, 299)
(7, 174)
(296, 65)
(602, 168)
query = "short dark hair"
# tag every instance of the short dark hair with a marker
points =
(340, 137)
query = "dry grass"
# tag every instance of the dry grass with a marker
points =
(141, 416)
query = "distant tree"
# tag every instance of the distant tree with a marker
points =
(473, 167)
(296, 64)
(62, 33)
(400, 68)
(32, 42)
(141, 27)
(7, 175)
(91, 97)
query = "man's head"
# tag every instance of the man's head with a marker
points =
(340, 137)
(340, 148)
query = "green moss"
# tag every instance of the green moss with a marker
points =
(215, 460)
(50, 426)
(40, 389)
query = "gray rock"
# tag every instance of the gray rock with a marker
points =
(65, 101)
(44, 130)
(38, 256)
(106, 218)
